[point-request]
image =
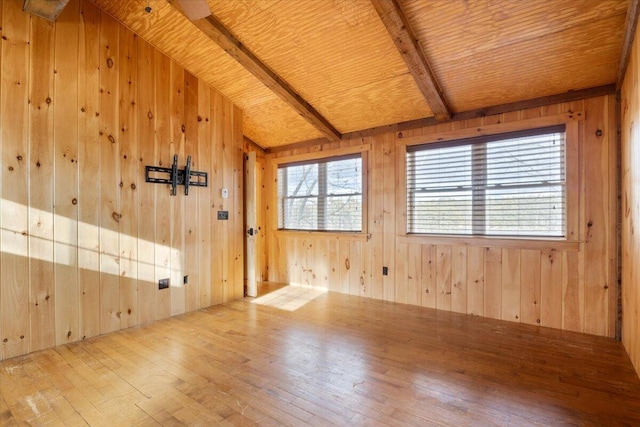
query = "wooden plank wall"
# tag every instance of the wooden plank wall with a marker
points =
(567, 286)
(85, 105)
(630, 126)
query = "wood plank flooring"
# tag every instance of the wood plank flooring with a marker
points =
(300, 356)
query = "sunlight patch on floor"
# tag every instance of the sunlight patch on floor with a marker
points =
(290, 298)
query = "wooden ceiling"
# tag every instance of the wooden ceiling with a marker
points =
(346, 62)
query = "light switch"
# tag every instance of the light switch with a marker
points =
(225, 193)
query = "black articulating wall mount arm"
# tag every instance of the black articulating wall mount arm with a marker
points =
(174, 176)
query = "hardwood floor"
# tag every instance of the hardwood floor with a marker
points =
(299, 356)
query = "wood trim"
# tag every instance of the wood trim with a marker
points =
(573, 145)
(296, 146)
(573, 189)
(399, 28)
(365, 192)
(401, 189)
(618, 216)
(251, 145)
(613, 240)
(334, 235)
(630, 25)
(574, 95)
(456, 117)
(316, 155)
(224, 38)
(491, 129)
(542, 101)
(538, 244)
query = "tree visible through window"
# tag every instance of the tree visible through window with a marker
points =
(503, 185)
(321, 195)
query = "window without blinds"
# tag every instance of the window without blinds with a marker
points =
(503, 185)
(324, 195)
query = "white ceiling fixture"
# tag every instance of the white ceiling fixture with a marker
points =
(47, 9)
(195, 9)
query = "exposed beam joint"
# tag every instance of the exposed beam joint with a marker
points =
(403, 36)
(224, 38)
(630, 25)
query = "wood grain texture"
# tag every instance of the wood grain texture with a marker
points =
(14, 261)
(163, 157)
(146, 119)
(493, 283)
(222, 36)
(630, 161)
(339, 57)
(530, 271)
(1, 163)
(459, 280)
(79, 246)
(195, 136)
(253, 362)
(42, 313)
(109, 174)
(130, 182)
(177, 249)
(394, 18)
(235, 118)
(475, 281)
(89, 168)
(630, 26)
(66, 137)
(549, 32)
(597, 229)
(551, 283)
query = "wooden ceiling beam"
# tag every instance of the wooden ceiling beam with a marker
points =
(630, 25)
(224, 38)
(404, 38)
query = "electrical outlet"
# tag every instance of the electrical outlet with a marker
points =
(223, 215)
(163, 283)
(185, 280)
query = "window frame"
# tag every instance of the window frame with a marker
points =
(325, 157)
(573, 121)
(479, 148)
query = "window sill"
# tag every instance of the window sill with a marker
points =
(334, 235)
(501, 242)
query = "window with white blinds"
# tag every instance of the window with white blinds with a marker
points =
(502, 185)
(323, 195)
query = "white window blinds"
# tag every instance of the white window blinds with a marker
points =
(323, 195)
(503, 185)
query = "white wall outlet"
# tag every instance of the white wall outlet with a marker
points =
(225, 193)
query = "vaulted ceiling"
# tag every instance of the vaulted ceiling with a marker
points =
(347, 63)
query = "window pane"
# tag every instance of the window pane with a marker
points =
(344, 213)
(445, 213)
(526, 160)
(301, 214)
(447, 167)
(302, 180)
(344, 176)
(527, 212)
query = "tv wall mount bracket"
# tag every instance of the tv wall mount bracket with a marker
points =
(174, 176)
